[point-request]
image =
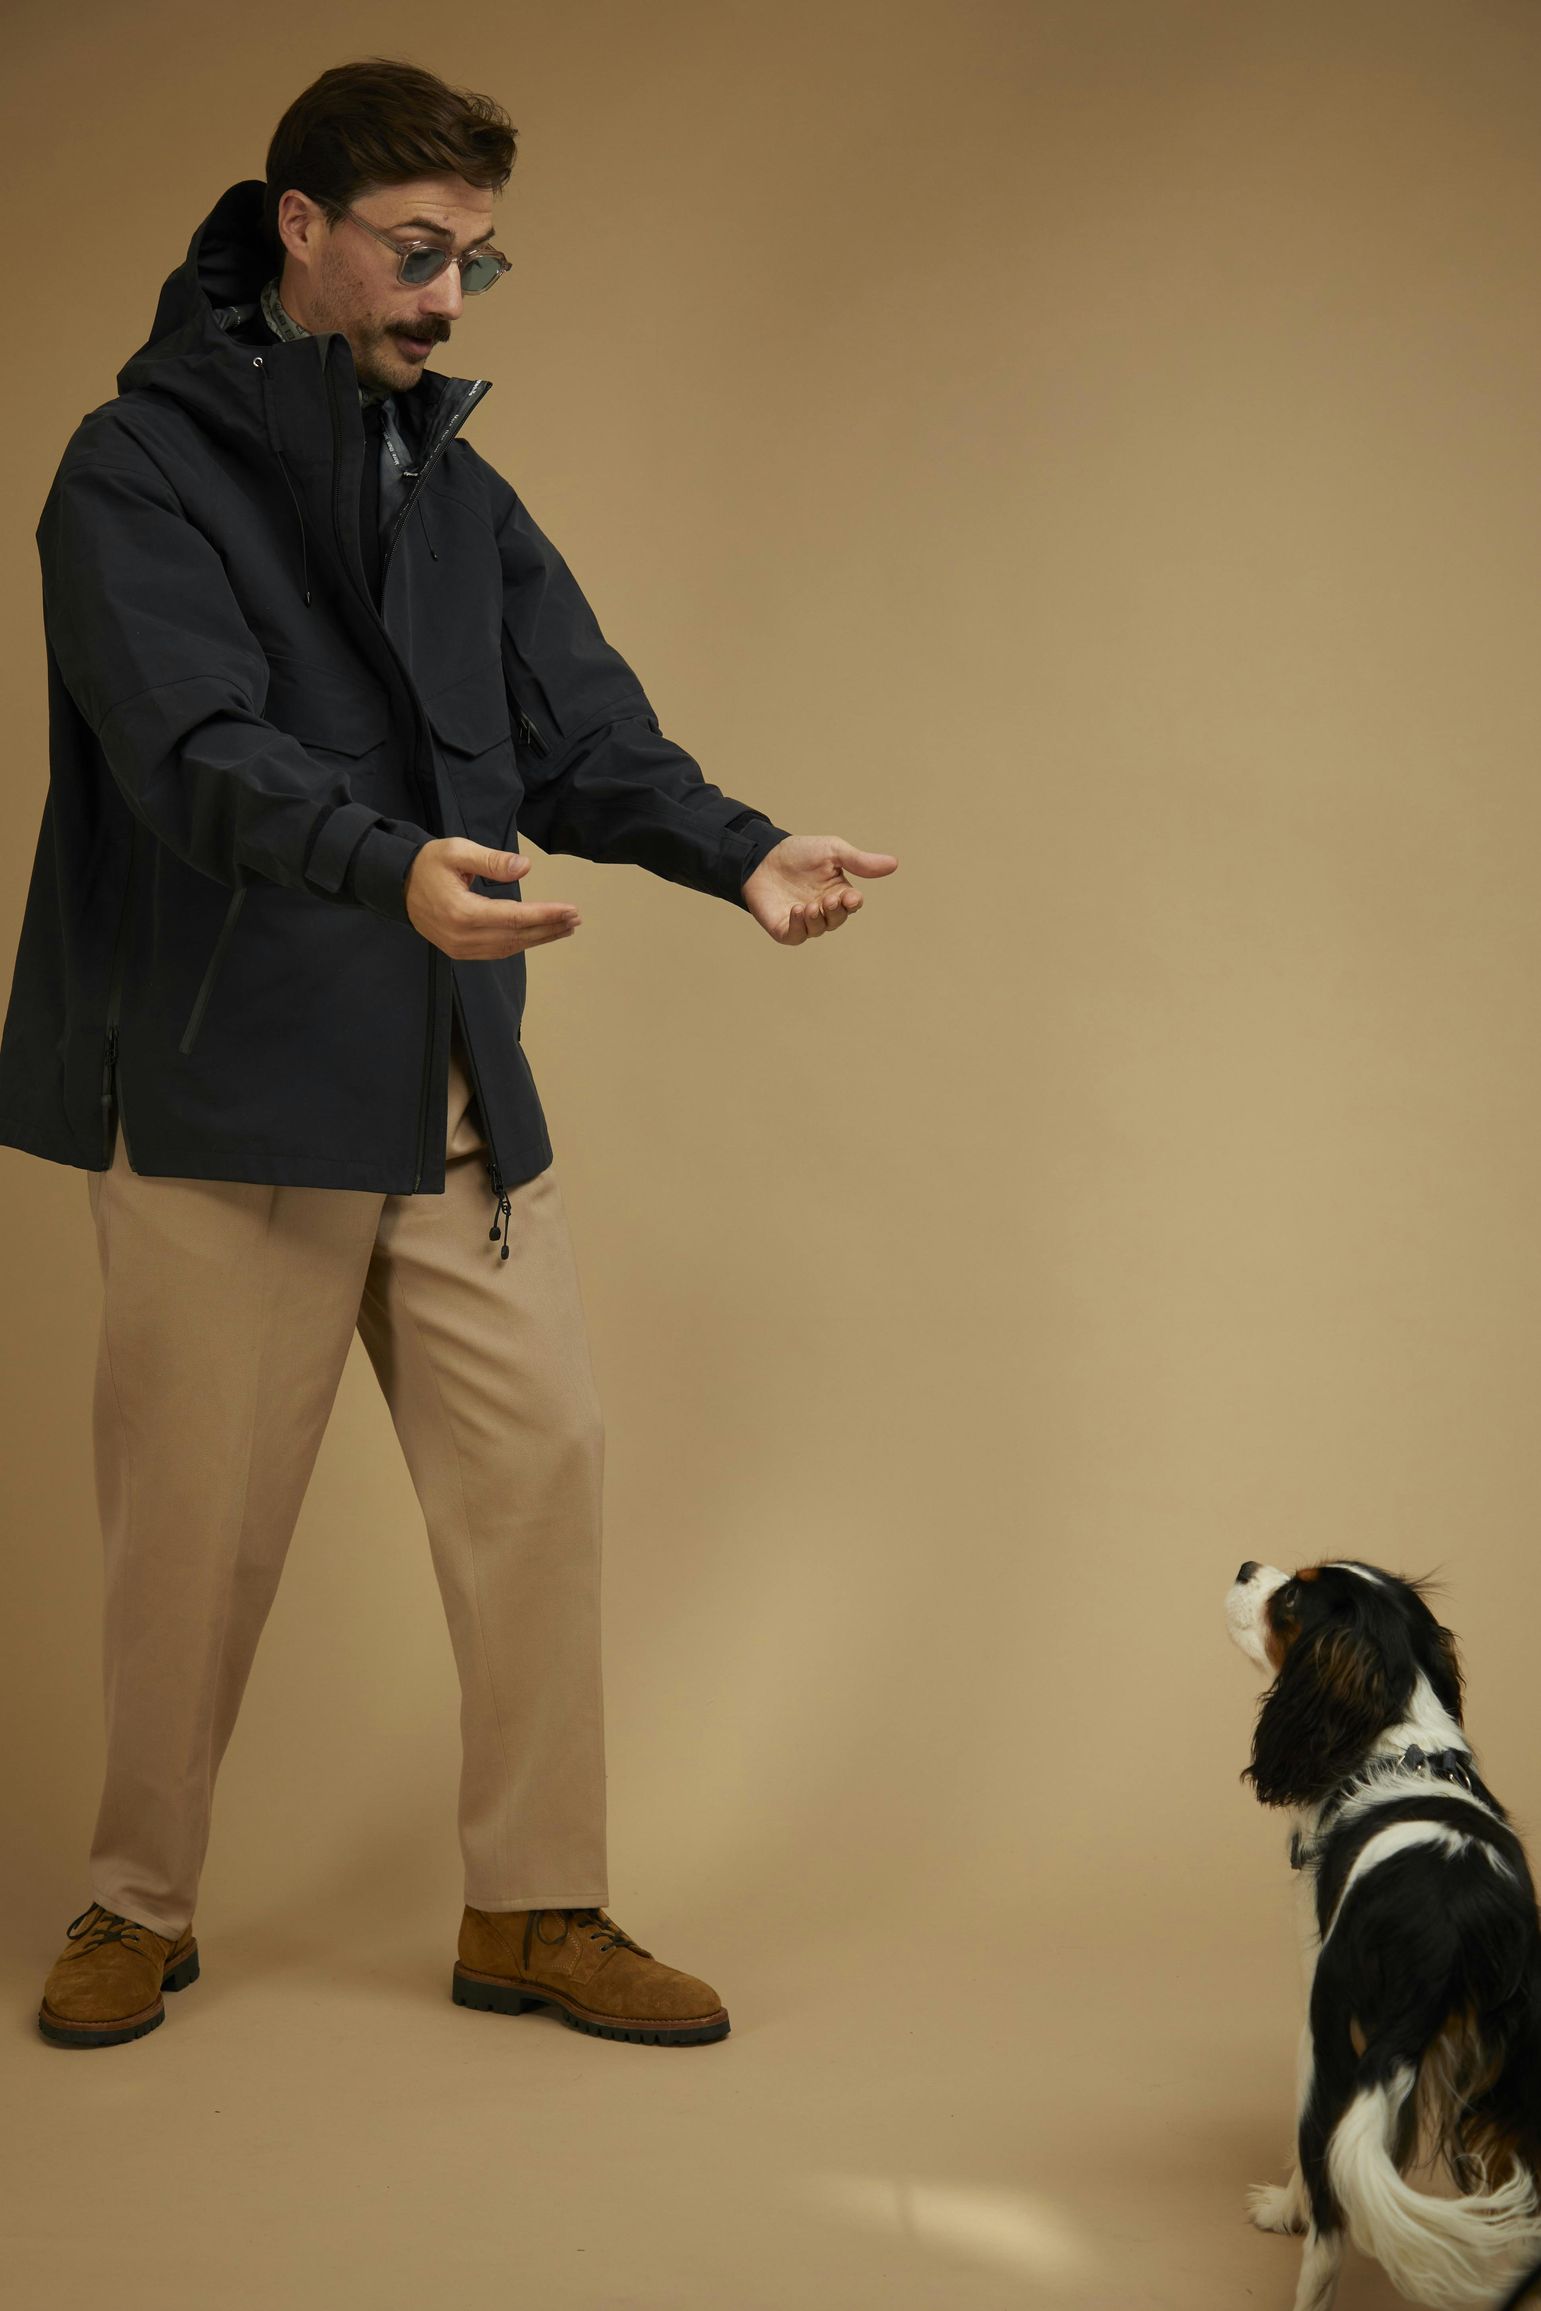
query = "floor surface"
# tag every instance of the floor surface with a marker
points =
(909, 2111)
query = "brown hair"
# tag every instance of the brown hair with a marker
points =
(382, 121)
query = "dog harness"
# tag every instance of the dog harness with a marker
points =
(1452, 1765)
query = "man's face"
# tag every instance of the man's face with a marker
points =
(340, 277)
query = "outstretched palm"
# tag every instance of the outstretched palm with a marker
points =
(799, 890)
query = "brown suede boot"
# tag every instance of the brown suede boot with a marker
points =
(597, 1978)
(107, 1985)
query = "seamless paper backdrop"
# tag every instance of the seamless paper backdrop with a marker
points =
(1091, 452)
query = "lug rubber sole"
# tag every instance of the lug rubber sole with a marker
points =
(491, 1994)
(58, 2032)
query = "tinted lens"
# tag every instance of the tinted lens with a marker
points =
(479, 272)
(423, 266)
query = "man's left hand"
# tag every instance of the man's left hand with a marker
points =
(799, 890)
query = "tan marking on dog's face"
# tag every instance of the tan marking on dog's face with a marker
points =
(1281, 1625)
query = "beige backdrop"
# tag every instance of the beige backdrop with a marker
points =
(1090, 449)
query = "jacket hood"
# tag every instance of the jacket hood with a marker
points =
(226, 264)
(207, 313)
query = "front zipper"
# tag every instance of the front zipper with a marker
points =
(112, 1095)
(505, 1208)
(448, 429)
(440, 442)
(201, 1000)
(112, 1089)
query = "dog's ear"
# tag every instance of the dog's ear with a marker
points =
(1338, 1688)
(1449, 1683)
(1440, 1661)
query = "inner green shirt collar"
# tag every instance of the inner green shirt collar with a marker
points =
(284, 325)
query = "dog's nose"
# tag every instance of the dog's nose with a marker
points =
(1247, 1570)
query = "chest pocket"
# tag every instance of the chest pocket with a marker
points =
(334, 715)
(473, 732)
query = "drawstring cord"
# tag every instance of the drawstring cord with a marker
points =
(262, 368)
(299, 516)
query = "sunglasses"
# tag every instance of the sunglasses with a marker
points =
(419, 262)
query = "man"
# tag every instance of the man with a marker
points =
(309, 661)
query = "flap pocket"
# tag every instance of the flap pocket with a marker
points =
(472, 729)
(323, 708)
(591, 692)
(473, 714)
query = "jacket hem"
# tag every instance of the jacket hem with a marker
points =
(42, 1144)
(260, 1168)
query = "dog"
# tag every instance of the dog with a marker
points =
(1420, 1940)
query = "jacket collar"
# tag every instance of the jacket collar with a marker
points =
(208, 315)
(284, 326)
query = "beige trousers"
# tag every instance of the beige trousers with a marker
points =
(228, 1308)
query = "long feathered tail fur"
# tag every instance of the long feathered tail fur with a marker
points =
(1440, 2252)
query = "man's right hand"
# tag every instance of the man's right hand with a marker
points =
(443, 907)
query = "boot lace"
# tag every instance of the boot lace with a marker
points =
(605, 1930)
(95, 1927)
(595, 1923)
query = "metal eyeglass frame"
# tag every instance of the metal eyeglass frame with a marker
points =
(446, 257)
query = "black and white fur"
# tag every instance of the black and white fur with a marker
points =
(1420, 1940)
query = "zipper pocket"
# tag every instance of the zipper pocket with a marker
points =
(206, 988)
(521, 682)
(529, 736)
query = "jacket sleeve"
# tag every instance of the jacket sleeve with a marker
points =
(151, 644)
(601, 781)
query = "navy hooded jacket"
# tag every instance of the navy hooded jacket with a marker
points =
(246, 754)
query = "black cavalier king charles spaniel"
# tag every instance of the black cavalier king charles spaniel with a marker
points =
(1420, 1939)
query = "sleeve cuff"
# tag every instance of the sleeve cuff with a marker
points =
(377, 871)
(743, 851)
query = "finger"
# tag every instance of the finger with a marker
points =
(475, 913)
(495, 946)
(541, 935)
(491, 946)
(858, 862)
(502, 929)
(495, 866)
(536, 938)
(837, 904)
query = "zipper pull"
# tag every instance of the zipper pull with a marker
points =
(505, 1211)
(528, 734)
